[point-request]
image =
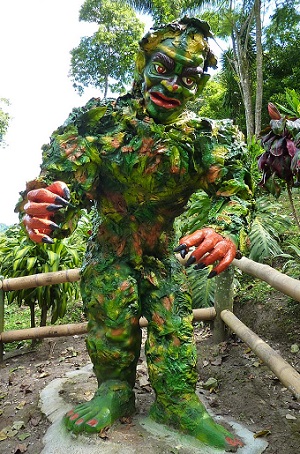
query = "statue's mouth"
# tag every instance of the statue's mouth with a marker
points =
(163, 101)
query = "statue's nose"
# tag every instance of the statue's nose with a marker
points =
(171, 85)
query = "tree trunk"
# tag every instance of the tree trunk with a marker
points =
(32, 315)
(106, 78)
(43, 320)
(259, 67)
(247, 96)
(105, 88)
(243, 72)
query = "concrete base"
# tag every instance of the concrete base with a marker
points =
(141, 435)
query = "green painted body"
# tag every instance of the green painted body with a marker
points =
(139, 174)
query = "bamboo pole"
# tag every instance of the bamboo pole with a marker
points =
(38, 280)
(80, 328)
(288, 376)
(43, 331)
(277, 280)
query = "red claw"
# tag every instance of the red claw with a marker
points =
(41, 206)
(60, 188)
(37, 237)
(41, 209)
(44, 195)
(43, 225)
(209, 248)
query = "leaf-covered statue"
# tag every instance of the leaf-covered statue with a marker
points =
(137, 160)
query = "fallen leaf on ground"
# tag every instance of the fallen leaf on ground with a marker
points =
(211, 384)
(262, 433)
(18, 425)
(217, 361)
(3, 435)
(44, 374)
(23, 436)
(7, 432)
(295, 348)
(21, 405)
(35, 421)
(103, 433)
(126, 420)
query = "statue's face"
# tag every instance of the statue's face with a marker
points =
(172, 76)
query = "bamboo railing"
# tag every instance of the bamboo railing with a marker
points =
(289, 377)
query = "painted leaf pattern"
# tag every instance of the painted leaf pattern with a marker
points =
(141, 174)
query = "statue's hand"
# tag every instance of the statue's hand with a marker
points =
(41, 206)
(209, 248)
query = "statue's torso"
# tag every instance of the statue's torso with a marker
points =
(140, 174)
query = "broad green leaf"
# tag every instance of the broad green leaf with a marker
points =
(17, 264)
(22, 252)
(31, 261)
(52, 257)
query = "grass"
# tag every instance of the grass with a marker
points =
(19, 318)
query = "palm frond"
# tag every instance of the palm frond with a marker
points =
(263, 245)
(203, 289)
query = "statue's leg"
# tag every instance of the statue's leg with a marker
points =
(113, 342)
(171, 358)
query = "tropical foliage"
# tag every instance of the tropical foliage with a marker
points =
(280, 161)
(281, 158)
(268, 224)
(210, 103)
(19, 256)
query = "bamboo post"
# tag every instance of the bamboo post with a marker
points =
(1, 320)
(223, 300)
(274, 278)
(43, 332)
(288, 376)
(38, 280)
(79, 328)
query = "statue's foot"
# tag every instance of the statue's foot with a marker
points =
(189, 415)
(114, 399)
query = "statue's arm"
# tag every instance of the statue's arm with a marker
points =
(68, 180)
(228, 185)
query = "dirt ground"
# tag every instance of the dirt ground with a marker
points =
(232, 379)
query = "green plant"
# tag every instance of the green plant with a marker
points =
(293, 101)
(203, 289)
(19, 256)
(268, 223)
(292, 264)
(280, 161)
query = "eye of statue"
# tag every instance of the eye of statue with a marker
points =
(188, 81)
(160, 69)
